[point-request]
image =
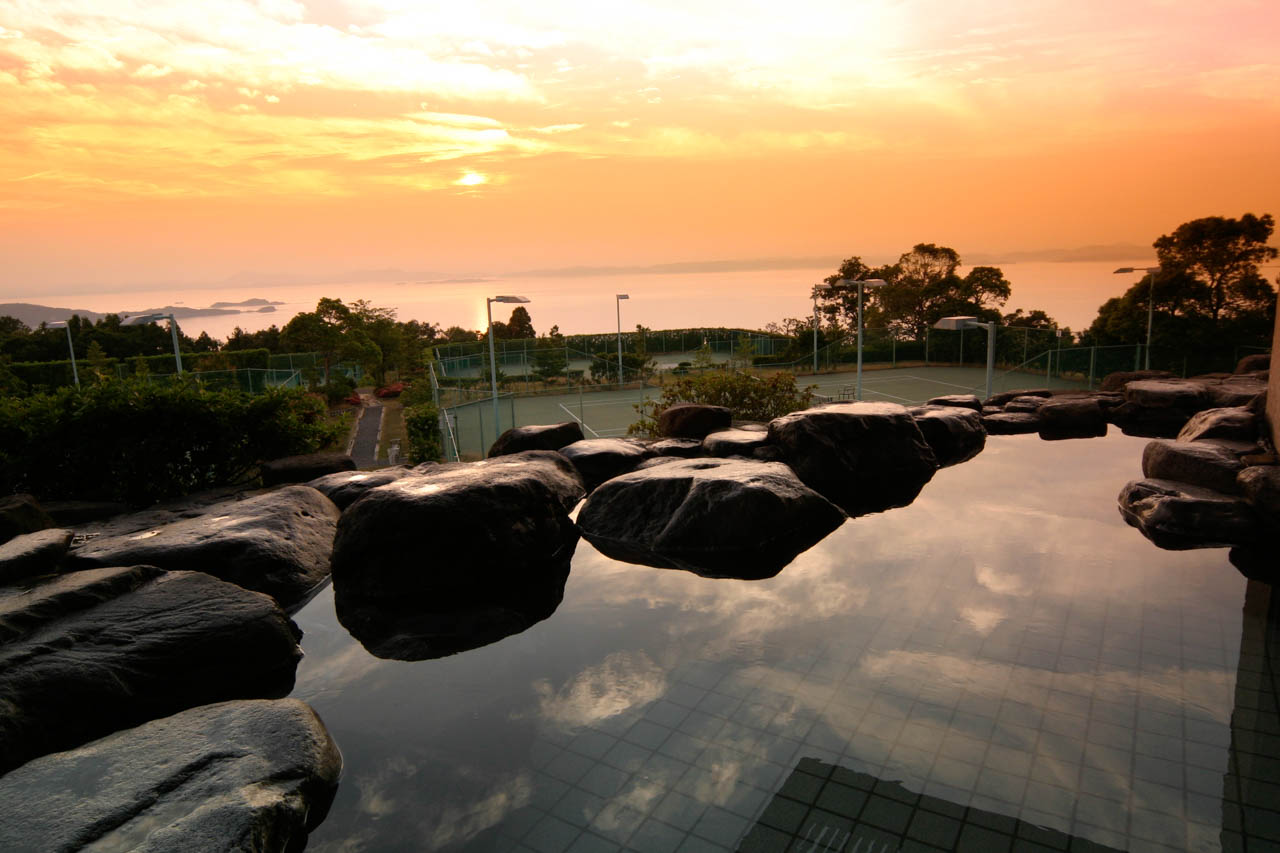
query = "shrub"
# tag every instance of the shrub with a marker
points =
(749, 398)
(338, 388)
(140, 442)
(422, 425)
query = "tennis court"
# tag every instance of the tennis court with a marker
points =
(605, 413)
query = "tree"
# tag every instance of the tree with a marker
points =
(744, 352)
(549, 358)
(1034, 319)
(1224, 254)
(520, 325)
(459, 335)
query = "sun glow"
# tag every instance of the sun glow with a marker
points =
(472, 179)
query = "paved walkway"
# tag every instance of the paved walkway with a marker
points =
(364, 450)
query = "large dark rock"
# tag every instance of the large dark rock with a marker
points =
(33, 554)
(73, 513)
(1071, 417)
(1025, 405)
(715, 517)
(457, 530)
(92, 652)
(300, 469)
(1233, 424)
(1207, 464)
(346, 487)
(1250, 363)
(249, 775)
(1116, 381)
(963, 401)
(1178, 516)
(954, 433)
(600, 459)
(1161, 422)
(1256, 562)
(21, 514)
(693, 420)
(1183, 394)
(684, 448)
(1005, 396)
(1011, 423)
(1235, 391)
(863, 457)
(734, 442)
(1260, 485)
(536, 437)
(277, 543)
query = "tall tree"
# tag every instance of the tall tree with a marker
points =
(1224, 254)
(520, 325)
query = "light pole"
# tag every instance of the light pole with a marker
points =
(173, 330)
(862, 283)
(1151, 300)
(618, 304)
(66, 324)
(493, 362)
(817, 288)
(961, 323)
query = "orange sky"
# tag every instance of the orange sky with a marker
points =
(148, 142)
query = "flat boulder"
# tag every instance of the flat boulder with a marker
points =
(1071, 417)
(714, 517)
(300, 469)
(734, 442)
(1116, 381)
(1208, 464)
(1232, 423)
(346, 487)
(88, 653)
(277, 543)
(536, 437)
(1260, 485)
(73, 513)
(600, 459)
(1005, 396)
(1182, 394)
(693, 420)
(1251, 363)
(863, 457)
(684, 448)
(1236, 391)
(1011, 423)
(457, 530)
(1025, 405)
(33, 554)
(1139, 420)
(248, 775)
(962, 401)
(1178, 516)
(954, 433)
(21, 514)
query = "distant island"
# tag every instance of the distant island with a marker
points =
(33, 315)
(247, 303)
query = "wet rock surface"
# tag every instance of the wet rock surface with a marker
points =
(278, 543)
(955, 434)
(233, 776)
(1025, 405)
(684, 448)
(1178, 516)
(33, 554)
(734, 442)
(1208, 464)
(73, 513)
(1188, 396)
(863, 457)
(963, 401)
(1011, 423)
(1137, 420)
(21, 514)
(1234, 424)
(693, 420)
(300, 469)
(346, 487)
(600, 459)
(457, 530)
(1116, 381)
(1005, 397)
(1068, 417)
(715, 517)
(88, 653)
(536, 437)
(1252, 363)
(1260, 485)
(1235, 391)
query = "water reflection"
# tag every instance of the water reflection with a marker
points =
(1004, 644)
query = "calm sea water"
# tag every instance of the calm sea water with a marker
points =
(1070, 292)
(1000, 661)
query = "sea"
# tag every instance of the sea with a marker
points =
(1070, 292)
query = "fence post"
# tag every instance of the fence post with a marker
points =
(480, 427)
(1093, 358)
(1048, 368)
(893, 343)
(926, 346)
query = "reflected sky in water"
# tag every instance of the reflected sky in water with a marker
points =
(1006, 643)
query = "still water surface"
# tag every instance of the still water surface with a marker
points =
(1004, 662)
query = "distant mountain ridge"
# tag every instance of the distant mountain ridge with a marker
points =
(33, 315)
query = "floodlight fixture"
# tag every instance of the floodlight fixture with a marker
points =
(961, 322)
(143, 319)
(618, 304)
(493, 362)
(1151, 300)
(71, 347)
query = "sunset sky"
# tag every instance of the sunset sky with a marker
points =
(147, 141)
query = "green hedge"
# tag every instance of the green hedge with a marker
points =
(140, 442)
(422, 424)
(56, 374)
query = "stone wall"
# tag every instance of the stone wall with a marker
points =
(1273, 390)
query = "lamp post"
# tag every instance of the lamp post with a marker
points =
(862, 283)
(618, 304)
(493, 361)
(1151, 300)
(817, 288)
(66, 324)
(961, 323)
(173, 330)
